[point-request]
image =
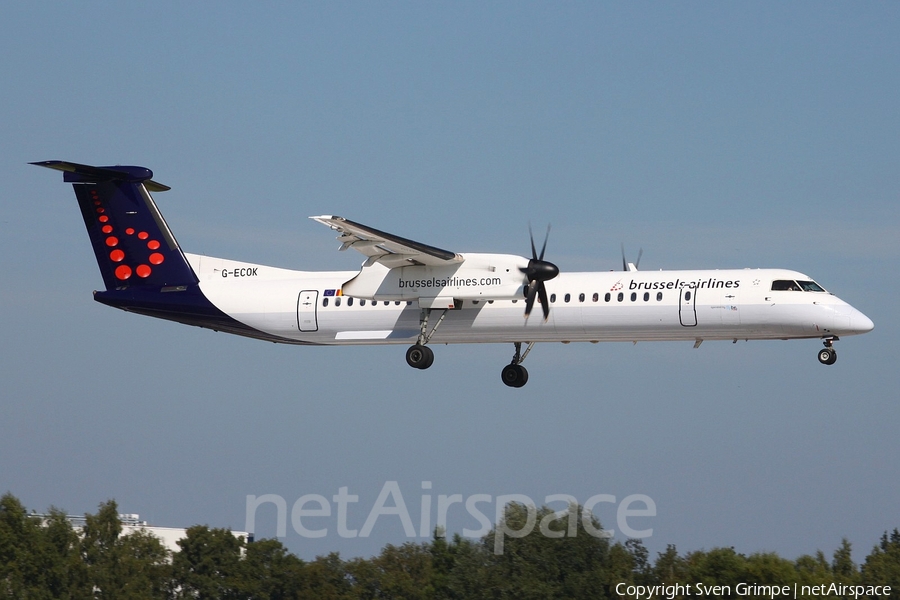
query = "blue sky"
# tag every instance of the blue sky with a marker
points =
(710, 135)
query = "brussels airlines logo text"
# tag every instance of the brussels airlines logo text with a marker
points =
(438, 282)
(710, 283)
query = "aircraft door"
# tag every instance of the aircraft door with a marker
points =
(687, 306)
(306, 310)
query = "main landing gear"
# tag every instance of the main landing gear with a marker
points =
(828, 355)
(420, 356)
(514, 374)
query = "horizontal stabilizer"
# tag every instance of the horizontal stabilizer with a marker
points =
(77, 173)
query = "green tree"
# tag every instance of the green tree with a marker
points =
(271, 572)
(455, 567)
(398, 572)
(813, 570)
(557, 559)
(768, 568)
(719, 566)
(882, 566)
(38, 556)
(208, 565)
(120, 567)
(670, 568)
(842, 565)
(327, 578)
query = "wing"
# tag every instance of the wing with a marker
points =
(386, 248)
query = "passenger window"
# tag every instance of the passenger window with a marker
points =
(552, 298)
(646, 296)
(568, 297)
(659, 296)
(337, 301)
(633, 296)
(386, 302)
(606, 297)
(362, 301)
(324, 301)
(350, 301)
(687, 296)
(581, 297)
(620, 297)
(396, 303)
(474, 302)
(596, 296)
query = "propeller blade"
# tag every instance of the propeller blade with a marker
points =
(529, 299)
(545, 303)
(626, 266)
(544, 247)
(531, 235)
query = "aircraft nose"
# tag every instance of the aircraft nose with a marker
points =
(860, 323)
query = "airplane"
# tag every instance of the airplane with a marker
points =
(414, 294)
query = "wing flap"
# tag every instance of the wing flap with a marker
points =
(388, 249)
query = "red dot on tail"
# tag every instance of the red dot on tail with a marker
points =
(156, 258)
(130, 231)
(106, 229)
(143, 235)
(143, 271)
(123, 272)
(153, 245)
(117, 255)
(103, 218)
(112, 241)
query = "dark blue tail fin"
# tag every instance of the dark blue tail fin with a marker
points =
(133, 244)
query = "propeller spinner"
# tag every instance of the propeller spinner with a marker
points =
(537, 272)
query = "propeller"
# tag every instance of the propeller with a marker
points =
(625, 264)
(537, 272)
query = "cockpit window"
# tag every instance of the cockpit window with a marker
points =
(810, 286)
(788, 285)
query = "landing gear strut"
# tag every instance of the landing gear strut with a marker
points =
(514, 374)
(420, 356)
(828, 355)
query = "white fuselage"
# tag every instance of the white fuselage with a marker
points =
(317, 308)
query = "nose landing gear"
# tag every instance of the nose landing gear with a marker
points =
(828, 355)
(514, 374)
